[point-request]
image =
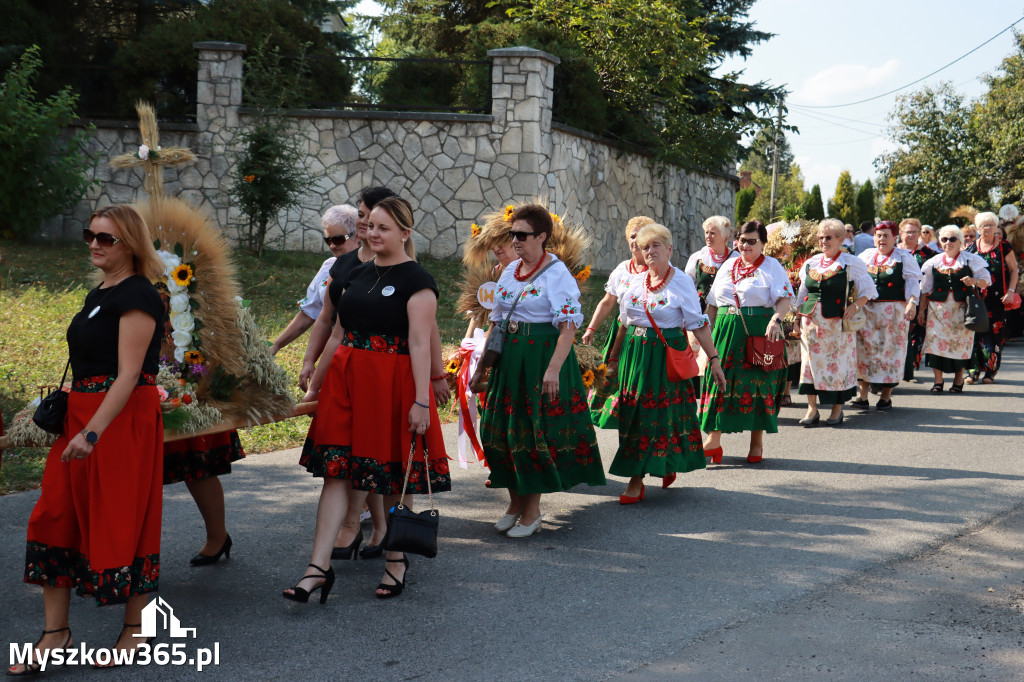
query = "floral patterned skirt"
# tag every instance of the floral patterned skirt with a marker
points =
(948, 344)
(750, 399)
(882, 344)
(604, 398)
(828, 359)
(361, 430)
(96, 525)
(533, 444)
(658, 429)
(201, 457)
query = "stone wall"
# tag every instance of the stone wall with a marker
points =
(452, 167)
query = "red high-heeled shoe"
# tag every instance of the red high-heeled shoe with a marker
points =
(626, 499)
(754, 459)
(668, 480)
(715, 454)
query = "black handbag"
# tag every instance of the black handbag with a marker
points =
(975, 314)
(49, 416)
(409, 531)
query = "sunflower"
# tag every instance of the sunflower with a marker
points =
(475, 229)
(555, 218)
(583, 275)
(194, 357)
(509, 210)
(453, 366)
(182, 275)
(588, 378)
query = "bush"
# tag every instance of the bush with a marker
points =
(42, 170)
(420, 85)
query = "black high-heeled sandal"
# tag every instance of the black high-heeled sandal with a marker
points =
(956, 388)
(35, 667)
(300, 595)
(124, 626)
(937, 388)
(371, 551)
(396, 589)
(350, 552)
(205, 560)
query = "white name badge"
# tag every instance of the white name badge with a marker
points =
(388, 290)
(485, 294)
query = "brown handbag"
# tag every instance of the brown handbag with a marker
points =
(761, 352)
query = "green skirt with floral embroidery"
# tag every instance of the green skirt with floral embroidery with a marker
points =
(658, 429)
(749, 402)
(532, 444)
(604, 399)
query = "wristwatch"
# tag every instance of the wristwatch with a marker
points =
(91, 437)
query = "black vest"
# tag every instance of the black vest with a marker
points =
(889, 281)
(944, 282)
(830, 291)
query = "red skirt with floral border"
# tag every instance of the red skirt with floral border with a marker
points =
(96, 525)
(361, 430)
(201, 457)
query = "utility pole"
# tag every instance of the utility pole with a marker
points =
(775, 163)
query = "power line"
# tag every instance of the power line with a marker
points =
(796, 110)
(904, 87)
(835, 144)
(841, 125)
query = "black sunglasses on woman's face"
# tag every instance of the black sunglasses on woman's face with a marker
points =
(748, 242)
(520, 236)
(337, 241)
(103, 238)
(947, 240)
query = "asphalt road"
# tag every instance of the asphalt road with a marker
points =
(860, 552)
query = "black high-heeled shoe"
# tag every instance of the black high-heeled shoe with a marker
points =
(205, 560)
(350, 552)
(396, 589)
(371, 551)
(300, 595)
(35, 667)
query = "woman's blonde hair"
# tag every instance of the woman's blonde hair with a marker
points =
(721, 222)
(653, 232)
(833, 227)
(637, 222)
(135, 236)
(400, 211)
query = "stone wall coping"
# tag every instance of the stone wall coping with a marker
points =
(133, 125)
(379, 115)
(523, 51)
(220, 46)
(632, 148)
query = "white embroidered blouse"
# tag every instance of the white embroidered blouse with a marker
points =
(703, 257)
(911, 270)
(672, 307)
(856, 270)
(552, 297)
(621, 278)
(769, 283)
(978, 265)
(313, 302)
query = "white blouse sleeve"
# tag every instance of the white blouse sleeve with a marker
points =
(563, 295)
(860, 277)
(927, 280)
(615, 279)
(979, 267)
(691, 265)
(778, 278)
(689, 301)
(313, 302)
(911, 275)
(801, 295)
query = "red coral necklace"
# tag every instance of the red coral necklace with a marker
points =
(948, 263)
(631, 269)
(523, 278)
(715, 257)
(874, 260)
(740, 271)
(826, 263)
(650, 281)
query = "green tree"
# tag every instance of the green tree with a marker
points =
(42, 171)
(932, 167)
(744, 202)
(789, 192)
(866, 202)
(998, 124)
(843, 204)
(813, 209)
(760, 154)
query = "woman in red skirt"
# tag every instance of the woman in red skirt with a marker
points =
(96, 526)
(376, 396)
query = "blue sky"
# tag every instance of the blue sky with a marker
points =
(828, 52)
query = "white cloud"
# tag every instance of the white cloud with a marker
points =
(824, 174)
(843, 81)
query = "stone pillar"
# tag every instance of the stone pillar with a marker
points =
(522, 93)
(218, 97)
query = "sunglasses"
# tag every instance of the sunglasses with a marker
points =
(336, 241)
(103, 238)
(826, 238)
(947, 240)
(748, 242)
(519, 235)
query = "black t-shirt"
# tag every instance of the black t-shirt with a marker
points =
(376, 297)
(340, 271)
(92, 341)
